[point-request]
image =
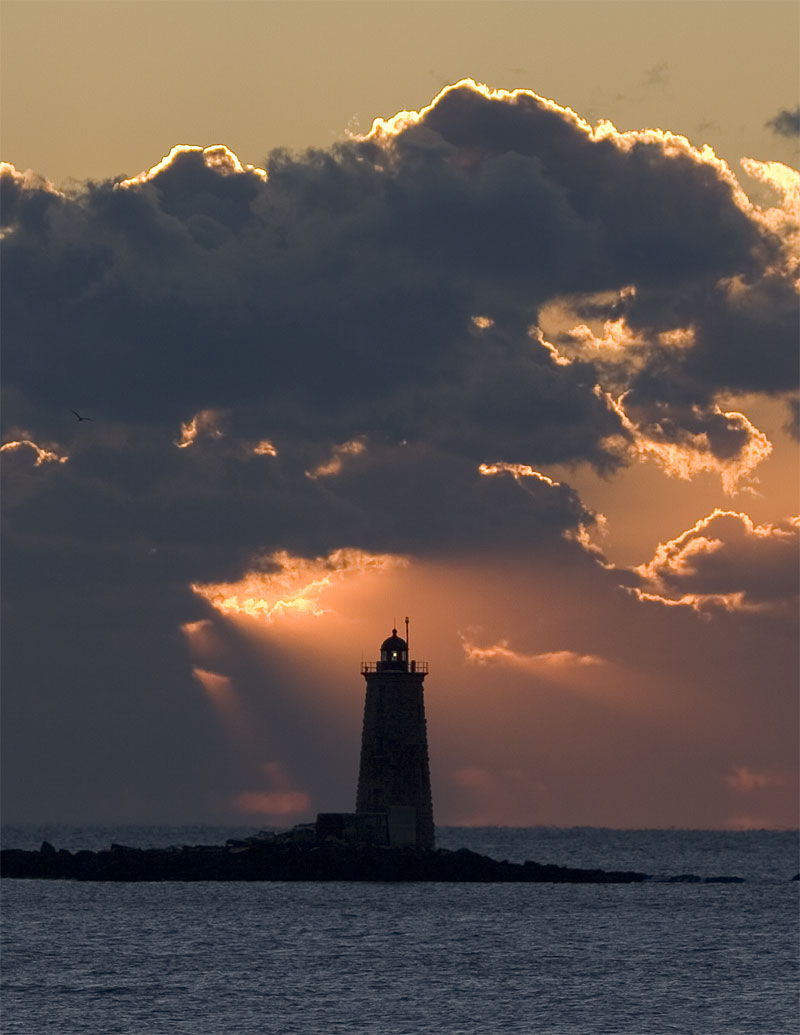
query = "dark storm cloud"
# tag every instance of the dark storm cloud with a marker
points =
(643, 207)
(745, 342)
(647, 211)
(382, 292)
(360, 267)
(335, 297)
(786, 123)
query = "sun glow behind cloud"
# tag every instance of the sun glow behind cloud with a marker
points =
(284, 584)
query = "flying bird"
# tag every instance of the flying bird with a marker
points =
(79, 416)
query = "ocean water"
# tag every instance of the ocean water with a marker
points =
(407, 959)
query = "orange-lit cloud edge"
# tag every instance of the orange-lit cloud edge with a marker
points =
(42, 455)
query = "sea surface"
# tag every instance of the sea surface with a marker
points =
(410, 959)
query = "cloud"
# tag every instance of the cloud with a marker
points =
(190, 158)
(786, 122)
(783, 219)
(333, 466)
(657, 75)
(352, 275)
(517, 471)
(42, 456)
(275, 805)
(725, 561)
(204, 423)
(501, 654)
(748, 780)
(307, 371)
(685, 442)
(282, 584)
(26, 197)
(278, 803)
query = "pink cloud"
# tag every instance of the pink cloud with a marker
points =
(501, 654)
(278, 800)
(278, 804)
(747, 780)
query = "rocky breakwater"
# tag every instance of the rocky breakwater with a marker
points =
(294, 856)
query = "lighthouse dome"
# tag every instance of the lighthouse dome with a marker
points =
(394, 653)
(394, 643)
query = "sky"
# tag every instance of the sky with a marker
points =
(483, 314)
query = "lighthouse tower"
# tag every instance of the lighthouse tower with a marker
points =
(394, 776)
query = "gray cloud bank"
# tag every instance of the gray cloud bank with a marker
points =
(334, 300)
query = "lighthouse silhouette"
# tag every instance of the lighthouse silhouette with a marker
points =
(394, 774)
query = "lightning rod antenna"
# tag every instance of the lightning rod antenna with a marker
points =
(407, 644)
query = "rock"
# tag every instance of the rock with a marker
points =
(306, 834)
(293, 858)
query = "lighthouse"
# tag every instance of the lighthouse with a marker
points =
(394, 775)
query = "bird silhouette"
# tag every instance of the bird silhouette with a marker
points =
(79, 416)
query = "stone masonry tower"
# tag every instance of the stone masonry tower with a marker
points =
(394, 776)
